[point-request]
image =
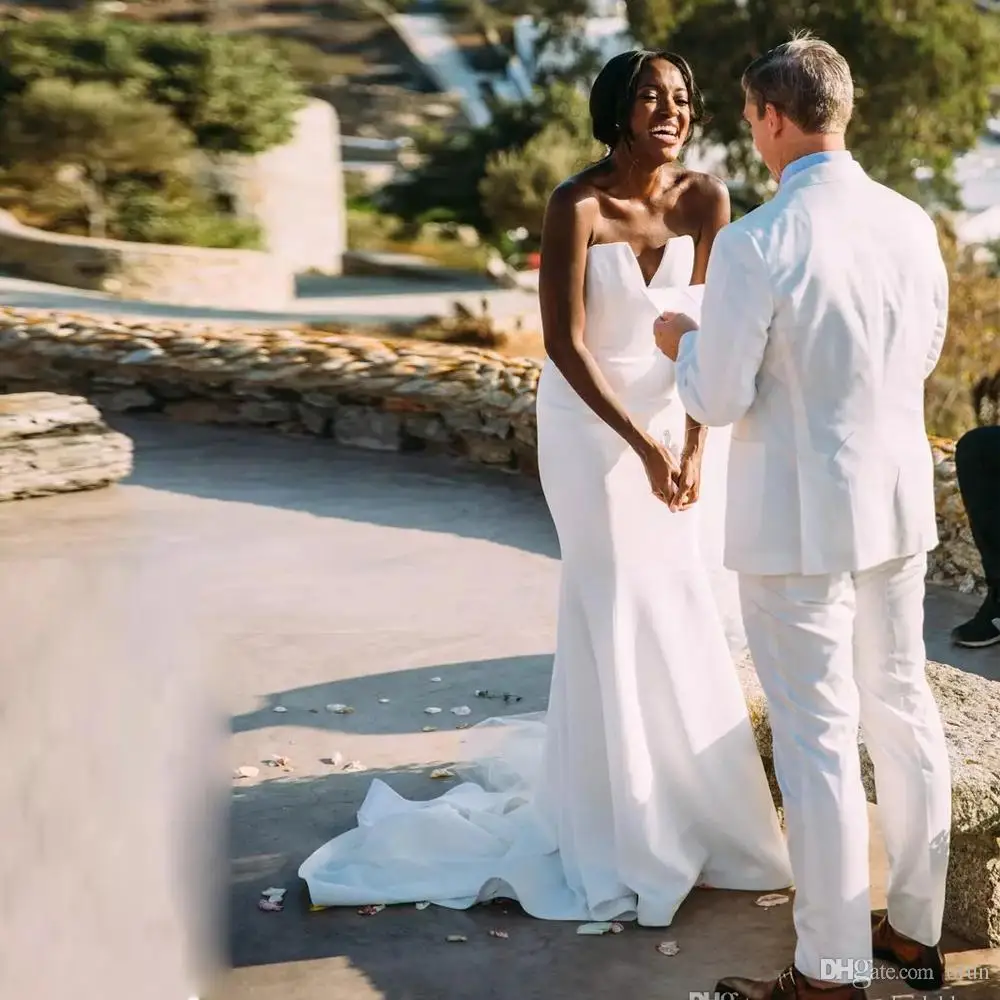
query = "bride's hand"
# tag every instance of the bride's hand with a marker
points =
(661, 469)
(688, 482)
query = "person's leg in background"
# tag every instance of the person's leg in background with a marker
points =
(977, 461)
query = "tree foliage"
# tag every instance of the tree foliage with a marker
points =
(454, 167)
(100, 120)
(234, 93)
(922, 68)
(655, 19)
(518, 182)
(91, 137)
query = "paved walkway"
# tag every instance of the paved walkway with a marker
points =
(355, 300)
(293, 574)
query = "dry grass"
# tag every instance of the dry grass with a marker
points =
(461, 329)
(972, 348)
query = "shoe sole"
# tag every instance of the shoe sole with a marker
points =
(969, 644)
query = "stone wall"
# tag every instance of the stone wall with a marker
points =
(188, 276)
(388, 395)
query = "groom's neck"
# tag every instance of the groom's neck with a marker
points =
(807, 144)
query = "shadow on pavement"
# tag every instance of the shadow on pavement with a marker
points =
(421, 492)
(410, 692)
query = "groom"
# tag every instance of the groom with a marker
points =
(824, 312)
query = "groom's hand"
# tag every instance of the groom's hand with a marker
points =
(669, 329)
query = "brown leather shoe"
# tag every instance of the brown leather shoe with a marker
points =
(922, 964)
(790, 985)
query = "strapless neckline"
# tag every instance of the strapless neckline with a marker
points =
(622, 246)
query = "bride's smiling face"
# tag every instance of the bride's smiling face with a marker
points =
(661, 112)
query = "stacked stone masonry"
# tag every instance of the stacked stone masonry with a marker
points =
(57, 444)
(393, 395)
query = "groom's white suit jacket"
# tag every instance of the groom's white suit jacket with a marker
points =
(824, 312)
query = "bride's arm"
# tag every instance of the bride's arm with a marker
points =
(566, 236)
(713, 212)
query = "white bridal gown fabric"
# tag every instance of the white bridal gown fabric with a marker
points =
(642, 779)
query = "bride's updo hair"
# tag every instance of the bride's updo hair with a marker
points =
(613, 94)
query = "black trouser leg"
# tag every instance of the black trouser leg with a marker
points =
(977, 460)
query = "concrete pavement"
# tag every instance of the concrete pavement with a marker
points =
(269, 572)
(354, 300)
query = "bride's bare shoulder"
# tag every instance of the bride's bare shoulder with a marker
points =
(580, 194)
(702, 199)
(701, 196)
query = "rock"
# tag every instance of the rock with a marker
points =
(367, 427)
(128, 399)
(57, 444)
(315, 419)
(499, 427)
(272, 411)
(488, 450)
(203, 411)
(426, 427)
(462, 420)
(970, 713)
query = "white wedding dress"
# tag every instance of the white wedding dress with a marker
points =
(643, 779)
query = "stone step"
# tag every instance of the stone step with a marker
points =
(51, 443)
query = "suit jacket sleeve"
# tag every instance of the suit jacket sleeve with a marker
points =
(941, 321)
(717, 364)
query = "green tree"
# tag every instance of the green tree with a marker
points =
(234, 93)
(453, 167)
(652, 20)
(922, 68)
(89, 137)
(310, 65)
(518, 182)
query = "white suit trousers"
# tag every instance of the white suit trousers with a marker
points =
(832, 651)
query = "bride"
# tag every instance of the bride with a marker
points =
(643, 778)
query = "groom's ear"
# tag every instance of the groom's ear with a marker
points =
(774, 118)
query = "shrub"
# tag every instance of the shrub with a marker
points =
(454, 166)
(181, 215)
(91, 137)
(972, 347)
(518, 182)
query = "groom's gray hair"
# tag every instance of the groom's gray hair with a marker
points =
(807, 80)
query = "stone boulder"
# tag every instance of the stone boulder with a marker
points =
(970, 711)
(57, 444)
